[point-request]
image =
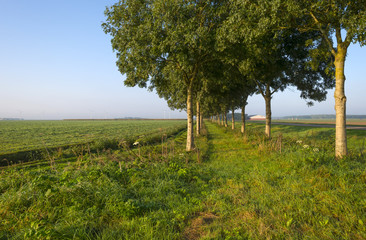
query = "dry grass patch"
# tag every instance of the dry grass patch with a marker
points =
(199, 225)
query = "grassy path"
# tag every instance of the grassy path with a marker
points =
(228, 155)
(261, 195)
(231, 160)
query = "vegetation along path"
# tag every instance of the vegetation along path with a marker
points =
(263, 191)
(318, 125)
(243, 187)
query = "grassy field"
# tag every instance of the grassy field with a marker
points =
(360, 122)
(134, 192)
(318, 137)
(18, 136)
(231, 187)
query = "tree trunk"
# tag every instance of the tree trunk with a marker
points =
(198, 119)
(190, 142)
(267, 99)
(233, 119)
(222, 120)
(225, 118)
(340, 103)
(218, 119)
(243, 119)
(201, 119)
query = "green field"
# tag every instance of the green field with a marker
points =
(319, 137)
(18, 136)
(231, 187)
(360, 122)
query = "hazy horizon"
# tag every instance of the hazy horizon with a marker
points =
(166, 118)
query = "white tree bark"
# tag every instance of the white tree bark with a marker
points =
(243, 119)
(232, 119)
(198, 119)
(267, 99)
(190, 143)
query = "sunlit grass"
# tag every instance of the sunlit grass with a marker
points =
(32, 135)
(137, 193)
(360, 122)
(231, 187)
(299, 193)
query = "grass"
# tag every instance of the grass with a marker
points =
(18, 136)
(318, 137)
(298, 193)
(360, 122)
(140, 193)
(231, 187)
(35, 141)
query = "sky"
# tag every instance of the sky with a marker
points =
(57, 63)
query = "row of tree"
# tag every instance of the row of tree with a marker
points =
(209, 56)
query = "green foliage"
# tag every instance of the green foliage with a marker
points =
(277, 54)
(163, 44)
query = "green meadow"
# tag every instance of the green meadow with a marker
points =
(232, 186)
(18, 136)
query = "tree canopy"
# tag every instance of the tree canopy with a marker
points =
(217, 53)
(164, 45)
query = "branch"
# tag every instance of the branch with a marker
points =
(325, 36)
(275, 90)
(259, 87)
(348, 39)
(186, 79)
(206, 59)
(300, 29)
(195, 71)
(185, 75)
(339, 35)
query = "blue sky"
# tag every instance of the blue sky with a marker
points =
(56, 62)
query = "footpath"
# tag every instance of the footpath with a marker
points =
(227, 211)
(228, 154)
(257, 192)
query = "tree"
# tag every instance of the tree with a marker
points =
(275, 57)
(239, 89)
(336, 17)
(331, 19)
(286, 64)
(163, 45)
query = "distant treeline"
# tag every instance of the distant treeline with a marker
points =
(11, 119)
(323, 116)
(103, 119)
